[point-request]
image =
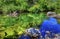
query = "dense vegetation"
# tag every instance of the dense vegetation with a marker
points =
(8, 6)
(30, 13)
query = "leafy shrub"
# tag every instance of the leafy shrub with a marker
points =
(29, 5)
(21, 23)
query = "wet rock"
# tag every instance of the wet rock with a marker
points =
(55, 36)
(58, 16)
(51, 14)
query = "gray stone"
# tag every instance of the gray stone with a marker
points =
(51, 14)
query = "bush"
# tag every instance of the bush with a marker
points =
(21, 23)
(29, 5)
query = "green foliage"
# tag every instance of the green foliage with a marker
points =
(12, 5)
(45, 5)
(29, 5)
(21, 23)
